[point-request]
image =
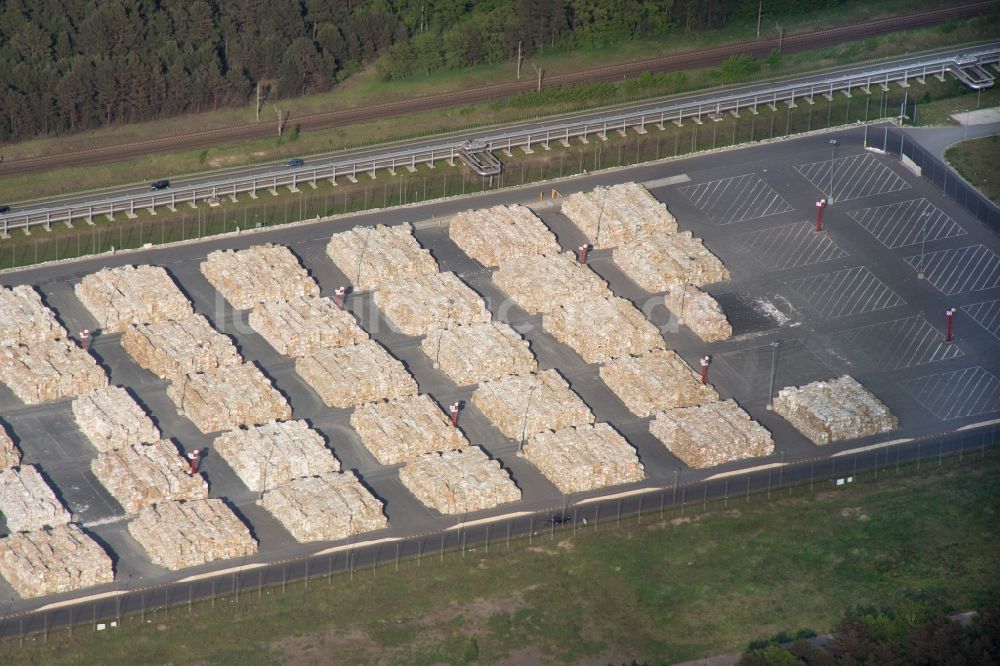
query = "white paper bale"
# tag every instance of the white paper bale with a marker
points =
(24, 319)
(835, 409)
(711, 434)
(228, 397)
(257, 274)
(53, 560)
(539, 284)
(655, 381)
(655, 261)
(269, 455)
(699, 312)
(371, 257)
(455, 482)
(493, 235)
(9, 455)
(423, 303)
(305, 324)
(610, 216)
(49, 370)
(325, 508)
(602, 329)
(27, 502)
(584, 458)
(111, 419)
(398, 430)
(179, 346)
(142, 474)
(522, 405)
(127, 295)
(177, 535)
(349, 376)
(477, 352)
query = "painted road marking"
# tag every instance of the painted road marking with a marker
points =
(986, 314)
(748, 470)
(956, 394)
(349, 546)
(901, 343)
(79, 600)
(791, 246)
(223, 572)
(627, 493)
(903, 223)
(959, 270)
(493, 519)
(845, 292)
(980, 424)
(736, 199)
(872, 447)
(669, 180)
(852, 177)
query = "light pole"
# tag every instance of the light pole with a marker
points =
(447, 326)
(833, 154)
(774, 363)
(600, 216)
(923, 242)
(524, 425)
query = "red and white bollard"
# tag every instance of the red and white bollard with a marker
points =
(339, 294)
(820, 205)
(194, 459)
(950, 328)
(453, 412)
(581, 253)
(85, 339)
(704, 368)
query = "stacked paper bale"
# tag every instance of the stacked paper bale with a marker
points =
(228, 397)
(834, 409)
(325, 508)
(257, 274)
(655, 381)
(371, 257)
(711, 434)
(9, 455)
(601, 329)
(111, 419)
(177, 535)
(27, 501)
(699, 312)
(24, 319)
(454, 482)
(49, 561)
(522, 405)
(305, 324)
(477, 352)
(493, 235)
(49, 370)
(398, 430)
(423, 303)
(143, 474)
(179, 346)
(617, 214)
(351, 375)
(539, 284)
(127, 295)
(656, 261)
(584, 458)
(266, 456)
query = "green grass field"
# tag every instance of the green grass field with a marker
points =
(657, 590)
(977, 161)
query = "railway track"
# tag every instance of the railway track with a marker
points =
(676, 62)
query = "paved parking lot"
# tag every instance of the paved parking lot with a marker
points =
(804, 306)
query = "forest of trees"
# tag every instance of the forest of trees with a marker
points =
(68, 65)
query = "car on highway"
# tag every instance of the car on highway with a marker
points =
(295, 162)
(4, 208)
(159, 185)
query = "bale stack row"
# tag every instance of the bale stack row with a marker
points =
(494, 235)
(325, 508)
(711, 434)
(111, 419)
(27, 502)
(602, 329)
(117, 297)
(418, 305)
(584, 458)
(610, 216)
(302, 325)
(655, 381)
(539, 284)
(177, 535)
(228, 397)
(656, 261)
(372, 257)
(479, 352)
(143, 474)
(523, 405)
(699, 312)
(398, 430)
(50, 561)
(257, 274)
(9, 455)
(24, 318)
(352, 375)
(455, 482)
(269, 455)
(49, 370)
(834, 409)
(177, 347)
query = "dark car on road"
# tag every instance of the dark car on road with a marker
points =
(295, 162)
(4, 208)
(159, 185)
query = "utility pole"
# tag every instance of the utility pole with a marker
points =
(519, 59)
(781, 35)
(760, 9)
(258, 101)
(539, 72)
(282, 118)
